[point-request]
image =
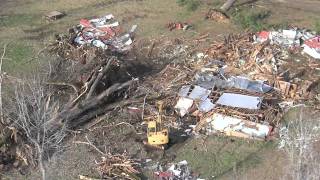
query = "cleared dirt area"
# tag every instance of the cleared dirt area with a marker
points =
(26, 32)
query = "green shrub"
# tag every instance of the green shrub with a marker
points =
(192, 5)
(181, 2)
(251, 20)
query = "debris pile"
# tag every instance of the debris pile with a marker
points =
(312, 47)
(238, 127)
(83, 83)
(92, 36)
(242, 86)
(178, 171)
(294, 38)
(118, 166)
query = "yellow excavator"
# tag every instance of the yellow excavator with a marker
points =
(158, 135)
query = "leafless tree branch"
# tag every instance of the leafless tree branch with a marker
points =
(298, 140)
(1, 76)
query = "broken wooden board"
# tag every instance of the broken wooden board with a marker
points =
(54, 15)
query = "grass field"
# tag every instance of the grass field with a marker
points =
(23, 27)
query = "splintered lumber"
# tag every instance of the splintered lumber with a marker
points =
(118, 166)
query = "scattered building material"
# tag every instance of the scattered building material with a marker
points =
(237, 87)
(232, 126)
(240, 101)
(206, 105)
(250, 85)
(286, 88)
(315, 53)
(312, 47)
(188, 97)
(248, 78)
(177, 171)
(293, 38)
(199, 93)
(103, 33)
(178, 25)
(183, 105)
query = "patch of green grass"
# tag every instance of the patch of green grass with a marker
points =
(281, 25)
(191, 5)
(252, 20)
(219, 155)
(18, 54)
(182, 2)
(217, 3)
(18, 20)
(317, 27)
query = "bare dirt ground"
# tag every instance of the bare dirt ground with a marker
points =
(220, 158)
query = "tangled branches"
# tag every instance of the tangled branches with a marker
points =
(118, 166)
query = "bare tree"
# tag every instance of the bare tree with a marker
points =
(1, 62)
(298, 140)
(34, 106)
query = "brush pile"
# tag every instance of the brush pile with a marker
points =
(118, 166)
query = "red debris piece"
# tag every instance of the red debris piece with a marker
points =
(85, 23)
(263, 35)
(178, 25)
(313, 42)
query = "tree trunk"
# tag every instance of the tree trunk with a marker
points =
(86, 110)
(227, 5)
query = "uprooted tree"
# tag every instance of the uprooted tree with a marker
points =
(41, 109)
(65, 93)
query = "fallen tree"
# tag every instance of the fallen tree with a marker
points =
(42, 109)
(227, 5)
(75, 85)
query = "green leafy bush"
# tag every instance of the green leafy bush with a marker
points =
(251, 20)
